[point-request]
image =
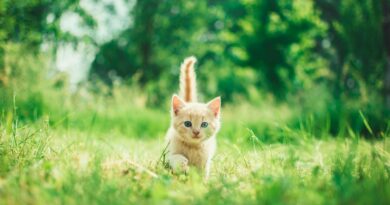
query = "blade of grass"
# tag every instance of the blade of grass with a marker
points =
(365, 122)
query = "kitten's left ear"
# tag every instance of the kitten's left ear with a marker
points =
(177, 104)
(215, 106)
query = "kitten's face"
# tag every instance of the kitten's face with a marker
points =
(195, 122)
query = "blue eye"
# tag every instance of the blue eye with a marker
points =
(204, 124)
(187, 123)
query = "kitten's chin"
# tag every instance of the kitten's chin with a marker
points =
(196, 137)
(194, 140)
(191, 140)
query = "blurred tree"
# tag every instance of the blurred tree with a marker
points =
(24, 26)
(227, 36)
(282, 40)
(32, 22)
(386, 35)
(281, 46)
(357, 61)
(355, 33)
(161, 33)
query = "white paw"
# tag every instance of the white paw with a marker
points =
(178, 163)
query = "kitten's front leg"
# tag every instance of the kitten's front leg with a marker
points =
(207, 169)
(178, 163)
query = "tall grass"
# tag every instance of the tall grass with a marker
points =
(101, 145)
(41, 164)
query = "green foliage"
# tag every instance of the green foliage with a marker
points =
(30, 24)
(22, 88)
(282, 40)
(162, 35)
(227, 43)
(356, 36)
(287, 50)
(33, 22)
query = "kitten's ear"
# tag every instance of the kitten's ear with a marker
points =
(177, 104)
(215, 106)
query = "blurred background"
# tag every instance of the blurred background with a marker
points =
(318, 65)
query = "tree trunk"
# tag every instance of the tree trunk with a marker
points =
(145, 32)
(387, 83)
(386, 41)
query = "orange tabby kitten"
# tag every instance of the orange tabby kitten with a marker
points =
(194, 125)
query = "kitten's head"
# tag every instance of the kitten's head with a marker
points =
(195, 122)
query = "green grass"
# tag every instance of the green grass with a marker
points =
(113, 157)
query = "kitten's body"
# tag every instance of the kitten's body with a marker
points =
(197, 155)
(192, 145)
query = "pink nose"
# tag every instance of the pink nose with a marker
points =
(196, 133)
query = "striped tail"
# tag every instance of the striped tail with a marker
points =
(188, 80)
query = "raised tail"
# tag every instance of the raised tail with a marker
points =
(188, 80)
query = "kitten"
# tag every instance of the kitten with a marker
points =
(194, 125)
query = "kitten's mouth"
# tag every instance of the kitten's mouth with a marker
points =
(196, 136)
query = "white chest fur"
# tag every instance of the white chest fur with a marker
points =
(182, 154)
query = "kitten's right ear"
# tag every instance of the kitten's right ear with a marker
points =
(177, 104)
(215, 106)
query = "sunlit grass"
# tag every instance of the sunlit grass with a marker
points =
(41, 164)
(106, 150)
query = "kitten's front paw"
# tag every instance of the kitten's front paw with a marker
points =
(179, 163)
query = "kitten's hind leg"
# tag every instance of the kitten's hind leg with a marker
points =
(178, 163)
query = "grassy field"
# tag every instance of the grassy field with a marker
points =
(86, 89)
(115, 156)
